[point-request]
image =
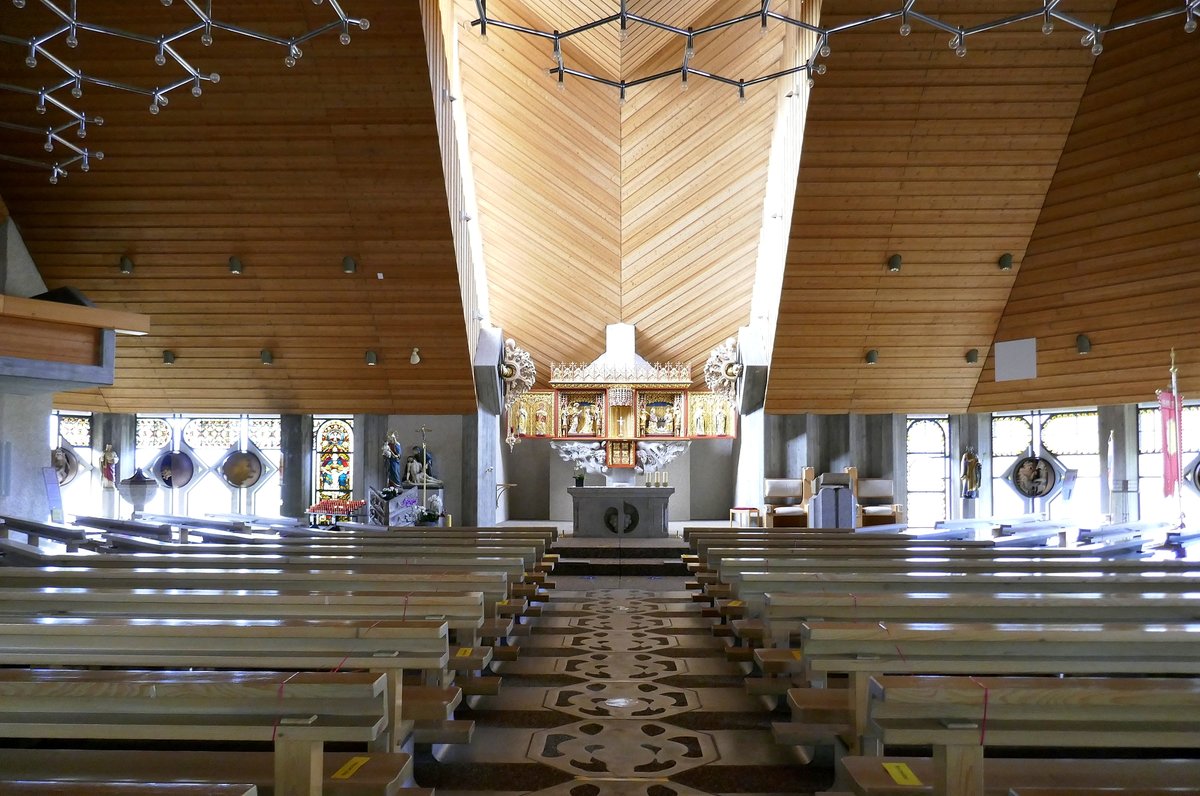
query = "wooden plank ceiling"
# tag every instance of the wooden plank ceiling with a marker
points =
(1115, 252)
(592, 212)
(945, 161)
(289, 170)
(649, 213)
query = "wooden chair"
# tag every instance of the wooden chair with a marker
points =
(875, 499)
(787, 500)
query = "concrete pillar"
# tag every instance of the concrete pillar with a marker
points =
(1122, 501)
(120, 431)
(482, 470)
(296, 464)
(24, 452)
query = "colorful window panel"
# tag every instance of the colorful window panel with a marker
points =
(266, 432)
(212, 432)
(76, 430)
(334, 449)
(152, 433)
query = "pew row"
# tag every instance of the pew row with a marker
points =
(295, 712)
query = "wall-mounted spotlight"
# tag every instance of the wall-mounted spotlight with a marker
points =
(872, 357)
(415, 357)
(973, 356)
(349, 265)
(1005, 262)
(126, 265)
(372, 358)
(235, 265)
(168, 357)
(894, 263)
(266, 357)
(1083, 345)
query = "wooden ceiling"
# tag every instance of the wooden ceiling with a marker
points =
(650, 213)
(289, 170)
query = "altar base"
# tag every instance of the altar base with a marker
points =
(620, 511)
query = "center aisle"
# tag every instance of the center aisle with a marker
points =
(621, 688)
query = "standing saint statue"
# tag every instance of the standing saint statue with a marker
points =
(108, 467)
(972, 472)
(394, 454)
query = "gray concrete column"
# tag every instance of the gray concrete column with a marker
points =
(1121, 502)
(481, 462)
(296, 464)
(24, 452)
(120, 431)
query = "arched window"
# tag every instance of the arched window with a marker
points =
(928, 470)
(1074, 437)
(333, 444)
(1012, 436)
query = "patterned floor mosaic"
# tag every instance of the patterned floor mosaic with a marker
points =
(620, 692)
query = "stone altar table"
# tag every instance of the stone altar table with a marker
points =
(620, 511)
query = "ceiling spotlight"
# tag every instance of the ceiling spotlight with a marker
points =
(872, 357)
(349, 266)
(126, 265)
(168, 357)
(1005, 262)
(973, 356)
(1083, 345)
(894, 263)
(235, 265)
(415, 357)
(372, 358)
(266, 357)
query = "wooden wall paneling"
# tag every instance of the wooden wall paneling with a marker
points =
(1114, 251)
(291, 170)
(910, 150)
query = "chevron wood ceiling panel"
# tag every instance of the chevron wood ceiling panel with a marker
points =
(547, 178)
(1115, 250)
(911, 150)
(694, 174)
(290, 170)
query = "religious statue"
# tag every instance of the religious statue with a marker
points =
(108, 467)
(539, 421)
(394, 454)
(586, 425)
(573, 418)
(972, 472)
(719, 420)
(698, 424)
(643, 421)
(667, 426)
(419, 468)
(523, 420)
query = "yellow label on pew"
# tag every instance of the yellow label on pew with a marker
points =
(465, 652)
(736, 603)
(797, 654)
(350, 768)
(901, 774)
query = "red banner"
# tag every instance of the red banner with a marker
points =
(1172, 439)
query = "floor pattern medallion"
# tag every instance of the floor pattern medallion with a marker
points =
(620, 692)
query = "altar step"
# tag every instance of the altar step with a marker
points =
(601, 556)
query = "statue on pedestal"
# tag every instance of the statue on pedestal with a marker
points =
(394, 454)
(108, 467)
(418, 470)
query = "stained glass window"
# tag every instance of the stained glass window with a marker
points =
(1074, 437)
(1012, 436)
(153, 433)
(212, 432)
(928, 460)
(333, 442)
(266, 432)
(76, 430)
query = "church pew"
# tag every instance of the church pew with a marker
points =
(118, 787)
(463, 612)
(785, 612)
(960, 717)
(529, 554)
(513, 567)
(296, 712)
(548, 532)
(861, 650)
(387, 647)
(152, 530)
(34, 532)
(1052, 777)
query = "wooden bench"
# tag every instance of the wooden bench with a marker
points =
(26, 787)
(961, 716)
(296, 712)
(872, 776)
(861, 650)
(784, 612)
(386, 647)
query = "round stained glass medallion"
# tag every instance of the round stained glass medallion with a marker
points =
(241, 469)
(174, 469)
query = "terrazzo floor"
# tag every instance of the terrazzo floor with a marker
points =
(620, 690)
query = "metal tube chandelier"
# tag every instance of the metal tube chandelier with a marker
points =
(1049, 12)
(164, 48)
